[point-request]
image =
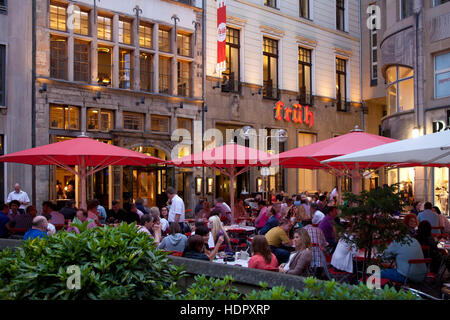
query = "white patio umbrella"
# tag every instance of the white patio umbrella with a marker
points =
(431, 150)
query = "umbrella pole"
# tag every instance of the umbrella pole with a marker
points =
(232, 176)
(339, 187)
(83, 183)
(356, 180)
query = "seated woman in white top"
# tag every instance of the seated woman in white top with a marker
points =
(343, 256)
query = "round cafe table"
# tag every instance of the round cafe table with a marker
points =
(240, 229)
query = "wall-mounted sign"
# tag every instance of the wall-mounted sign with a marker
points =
(221, 35)
(295, 113)
(441, 125)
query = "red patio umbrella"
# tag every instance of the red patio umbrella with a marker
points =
(82, 152)
(310, 156)
(226, 159)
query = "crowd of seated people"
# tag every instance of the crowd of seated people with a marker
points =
(293, 234)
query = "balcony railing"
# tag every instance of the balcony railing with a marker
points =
(230, 84)
(269, 90)
(342, 105)
(305, 97)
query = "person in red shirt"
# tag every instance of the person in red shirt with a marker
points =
(262, 257)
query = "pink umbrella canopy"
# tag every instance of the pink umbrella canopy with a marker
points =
(72, 152)
(227, 156)
(310, 156)
(82, 152)
(226, 159)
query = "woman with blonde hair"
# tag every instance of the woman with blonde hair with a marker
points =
(301, 258)
(217, 231)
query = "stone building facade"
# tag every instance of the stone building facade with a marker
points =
(124, 72)
(15, 92)
(411, 90)
(285, 51)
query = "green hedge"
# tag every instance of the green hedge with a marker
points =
(120, 263)
(222, 289)
(115, 263)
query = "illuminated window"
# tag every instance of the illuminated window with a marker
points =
(160, 124)
(2, 75)
(400, 91)
(373, 57)
(81, 65)
(184, 78)
(58, 57)
(146, 70)
(184, 45)
(270, 3)
(99, 119)
(81, 22)
(125, 65)
(442, 75)
(304, 8)
(164, 40)
(145, 36)
(104, 28)
(64, 117)
(104, 66)
(133, 121)
(304, 76)
(270, 68)
(230, 77)
(307, 179)
(164, 75)
(340, 15)
(341, 84)
(124, 32)
(58, 17)
(184, 123)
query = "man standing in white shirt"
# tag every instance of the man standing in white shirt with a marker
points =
(176, 212)
(20, 196)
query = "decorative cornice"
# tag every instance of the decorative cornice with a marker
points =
(272, 31)
(343, 52)
(236, 20)
(306, 41)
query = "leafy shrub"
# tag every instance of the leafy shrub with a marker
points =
(211, 289)
(115, 263)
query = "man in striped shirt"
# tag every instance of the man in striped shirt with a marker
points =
(318, 241)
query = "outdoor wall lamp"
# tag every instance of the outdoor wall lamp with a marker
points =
(210, 186)
(198, 185)
(43, 88)
(141, 102)
(98, 96)
(258, 92)
(179, 106)
(217, 85)
(416, 132)
(205, 109)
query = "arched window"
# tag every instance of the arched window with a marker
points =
(400, 91)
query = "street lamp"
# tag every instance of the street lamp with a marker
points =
(280, 134)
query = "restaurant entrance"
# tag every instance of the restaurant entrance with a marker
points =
(148, 183)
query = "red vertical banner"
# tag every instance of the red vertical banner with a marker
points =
(221, 36)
